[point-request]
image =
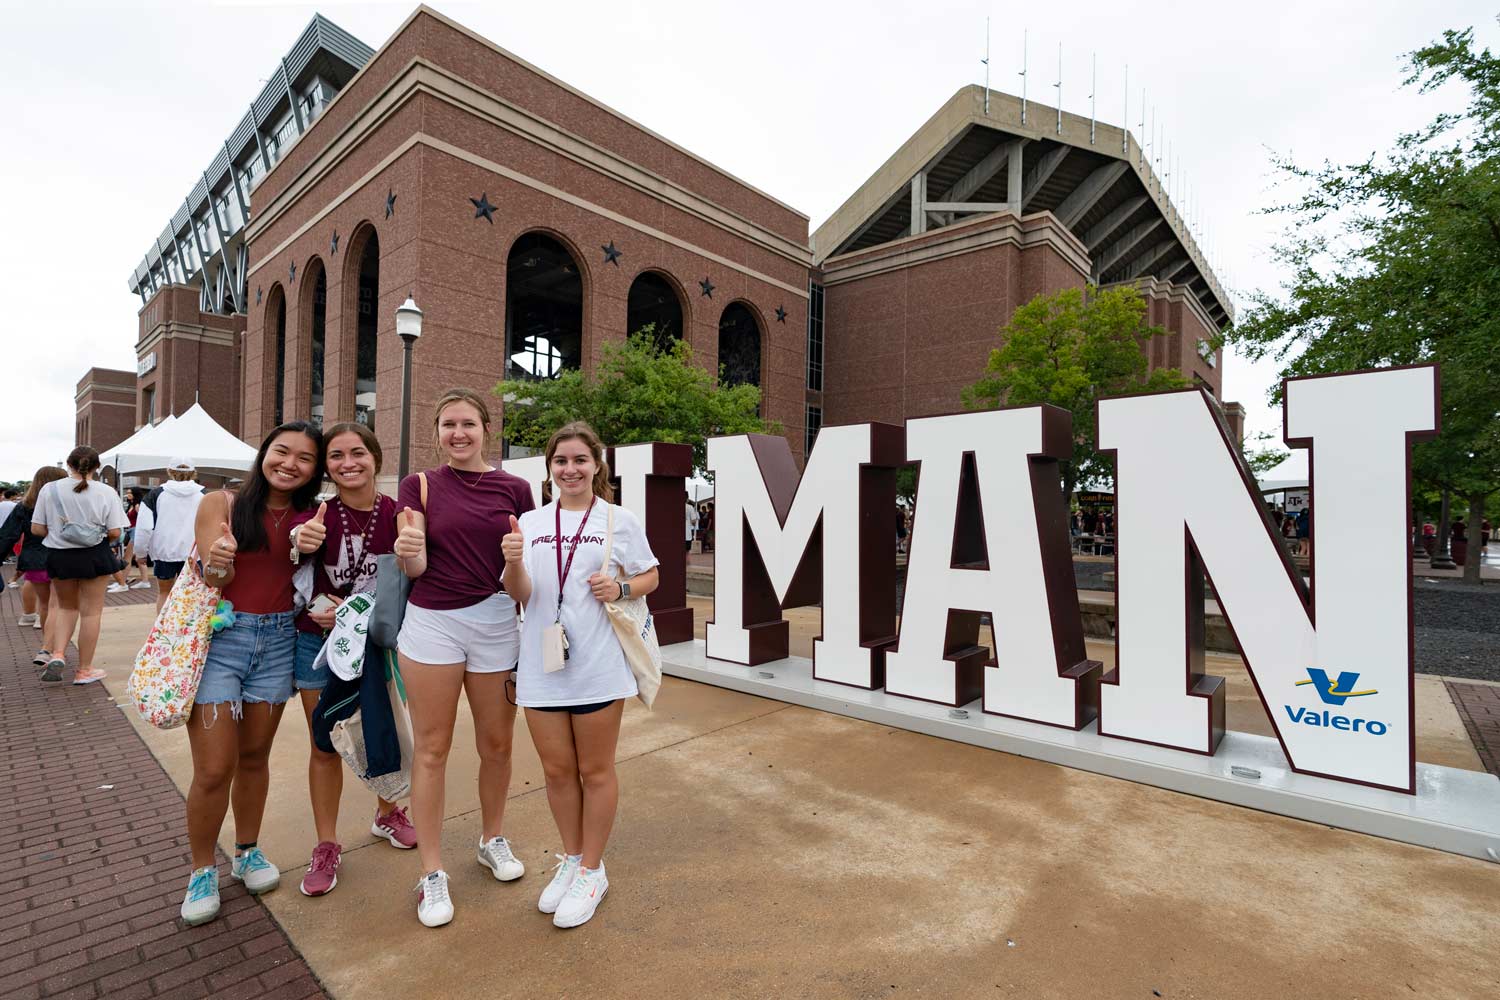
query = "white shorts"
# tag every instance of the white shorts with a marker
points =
(485, 636)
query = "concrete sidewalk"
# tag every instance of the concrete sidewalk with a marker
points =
(766, 850)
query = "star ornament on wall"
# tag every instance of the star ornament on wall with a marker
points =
(333, 245)
(611, 254)
(390, 203)
(483, 209)
(291, 272)
(257, 295)
(780, 314)
(707, 286)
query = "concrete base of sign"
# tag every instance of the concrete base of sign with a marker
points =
(1454, 810)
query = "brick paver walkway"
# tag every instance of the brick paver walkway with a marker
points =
(94, 857)
(1479, 706)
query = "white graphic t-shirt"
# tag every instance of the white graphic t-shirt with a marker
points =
(596, 669)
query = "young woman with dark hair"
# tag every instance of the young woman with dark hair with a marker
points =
(244, 546)
(77, 519)
(345, 536)
(554, 566)
(459, 634)
(31, 561)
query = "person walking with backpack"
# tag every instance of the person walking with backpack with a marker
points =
(573, 675)
(164, 526)
(244, 544)
(77, 518)
(459, 634)
(345, 536)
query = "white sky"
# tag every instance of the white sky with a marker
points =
(112, 112)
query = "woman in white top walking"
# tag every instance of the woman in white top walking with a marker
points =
(573, 677)
(76, 519)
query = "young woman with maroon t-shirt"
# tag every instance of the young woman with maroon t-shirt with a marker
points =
(460, 633)
(345, 535)
(244, 545)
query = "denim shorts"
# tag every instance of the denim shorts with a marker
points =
(251, 660)
(305, 677)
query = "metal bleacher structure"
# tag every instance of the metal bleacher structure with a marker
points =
(986, 152)
(203, 243)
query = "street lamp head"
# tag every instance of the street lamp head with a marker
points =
(409, 321)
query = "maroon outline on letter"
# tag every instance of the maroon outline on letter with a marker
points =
(671, 464)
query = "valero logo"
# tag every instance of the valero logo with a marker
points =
(1335, 693)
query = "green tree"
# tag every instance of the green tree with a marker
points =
(1261, 457)
(1396, 260)
(1072, 349)
(641, 391)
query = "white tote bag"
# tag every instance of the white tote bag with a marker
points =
(635, 629)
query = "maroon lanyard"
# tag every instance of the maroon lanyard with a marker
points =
(562, 571)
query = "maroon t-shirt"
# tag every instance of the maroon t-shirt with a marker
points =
(262, 583)
(345, 564)
(468, 513)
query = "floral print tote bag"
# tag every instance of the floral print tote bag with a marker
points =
(169, 665)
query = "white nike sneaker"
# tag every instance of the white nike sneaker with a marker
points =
(582, 898)
(256, 871)
(434, 905)
(201, 904)
(495, 854)
(562, 880)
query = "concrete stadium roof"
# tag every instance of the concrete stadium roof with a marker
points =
(963, 162)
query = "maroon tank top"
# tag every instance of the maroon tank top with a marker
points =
(262, 583)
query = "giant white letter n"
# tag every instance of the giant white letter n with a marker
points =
(1333, 669)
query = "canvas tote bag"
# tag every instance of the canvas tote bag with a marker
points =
(348, 738)
(631, 619)
(165, 678)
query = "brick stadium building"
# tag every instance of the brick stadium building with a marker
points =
(533, 225)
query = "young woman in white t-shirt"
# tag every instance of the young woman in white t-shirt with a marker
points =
(554, 566)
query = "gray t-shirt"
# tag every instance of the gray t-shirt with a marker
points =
(98, 507)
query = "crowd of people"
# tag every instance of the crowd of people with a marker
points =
(476, 549)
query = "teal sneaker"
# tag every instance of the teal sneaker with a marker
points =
(258, 874)
(201, 904)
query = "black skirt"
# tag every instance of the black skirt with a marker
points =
(82, 564)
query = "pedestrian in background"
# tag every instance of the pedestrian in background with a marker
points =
(77, 518)
(164, 527)
(31, 562)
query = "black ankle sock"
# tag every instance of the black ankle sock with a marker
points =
(242, 848)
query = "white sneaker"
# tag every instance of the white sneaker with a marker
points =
(116, 588)
(33, 619)
(141, 585)
(37, 624)
(495, 854)
(253, 869)
(434, 906)
(15, 583)
(582, 898)
(562, 880)
(201, 904)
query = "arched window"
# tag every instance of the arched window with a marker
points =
(368, 308)
(276, 335)
(739, 346)
(317, 311)
(543, 309)
(654, 303)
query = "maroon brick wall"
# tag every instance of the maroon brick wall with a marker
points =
(104, 404)
(196, 358)
(905, 342)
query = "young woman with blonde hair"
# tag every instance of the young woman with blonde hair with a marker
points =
(31, 562)
(459, 634)
(555, 566)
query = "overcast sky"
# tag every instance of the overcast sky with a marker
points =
(112, 112)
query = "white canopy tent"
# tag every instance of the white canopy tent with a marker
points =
(194, 436)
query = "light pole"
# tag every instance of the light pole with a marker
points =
(408, 328)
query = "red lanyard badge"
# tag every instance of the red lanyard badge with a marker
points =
(562, 571)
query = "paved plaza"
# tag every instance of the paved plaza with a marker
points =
(762, 850)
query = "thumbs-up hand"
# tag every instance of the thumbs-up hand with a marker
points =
(411, 541)
(221, 553)
(312, 534)
(513, 545)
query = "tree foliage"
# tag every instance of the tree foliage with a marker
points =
(1396, 260)
(641, 391)
(1072, 349)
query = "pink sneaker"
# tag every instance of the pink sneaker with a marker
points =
(396, 828)
(323, 870)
